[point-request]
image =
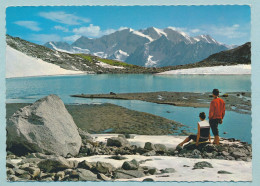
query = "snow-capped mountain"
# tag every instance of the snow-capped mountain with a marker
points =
(151, 47)
(29, 59)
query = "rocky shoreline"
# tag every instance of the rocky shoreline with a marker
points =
(45, 144)
(42, 167)
(235, 101)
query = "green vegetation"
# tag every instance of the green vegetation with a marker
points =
(107, 61)
(87, 57)
(115, 63)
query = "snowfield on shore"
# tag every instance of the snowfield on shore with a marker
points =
(241, 170)
(21, 65)
(221, 70)
(183, 166)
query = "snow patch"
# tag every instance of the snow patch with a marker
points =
(58, 49)
(142, 35)
(160, 32)
(101, 54)
(229, 70)
(120, 55)
(150, 62)
(80, 50)
(105, 65)
(19, 64)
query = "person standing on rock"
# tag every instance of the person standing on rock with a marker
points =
(216, 114)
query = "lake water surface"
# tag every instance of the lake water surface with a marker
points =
(29, 89)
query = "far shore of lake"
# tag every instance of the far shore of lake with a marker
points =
(239, 102)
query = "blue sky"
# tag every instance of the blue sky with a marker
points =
(226, 24)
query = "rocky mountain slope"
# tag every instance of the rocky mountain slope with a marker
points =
(151, 47)
(236, 56)
(76, 62)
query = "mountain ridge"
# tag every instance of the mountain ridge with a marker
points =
(130, 42)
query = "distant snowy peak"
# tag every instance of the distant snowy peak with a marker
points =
(207, 39)
(65, 47)
(153, 32)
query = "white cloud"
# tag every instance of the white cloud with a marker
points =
(64, 29)
(71, 38)
(92, 31)
(122, 28)
(231, 32)
(194, 31)
(63, 17)
(32, 25)
(43, 38)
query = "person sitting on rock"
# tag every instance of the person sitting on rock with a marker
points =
(203, 131)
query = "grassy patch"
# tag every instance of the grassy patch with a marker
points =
(86, 57)
(116, 63)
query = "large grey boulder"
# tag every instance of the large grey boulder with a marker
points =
(45, 126)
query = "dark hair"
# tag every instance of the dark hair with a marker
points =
(215, 92)
(202, 115)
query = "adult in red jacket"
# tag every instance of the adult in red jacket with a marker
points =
(216, 114)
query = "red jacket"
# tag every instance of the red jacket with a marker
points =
(217, 109)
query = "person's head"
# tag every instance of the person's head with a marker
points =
(202, 116)
(215, 93)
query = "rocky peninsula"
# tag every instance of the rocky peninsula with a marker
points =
(235, 101)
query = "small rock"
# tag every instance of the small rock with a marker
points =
(60, 174)
(148, 180)
(224, 172)
(117, 141)
(129, 136)
(160, 148)
(13, 178)
(152, 170)
(104, 168)
(86, 165)
(168, 170)
(118, 157)
(19, 172)
(54, 164)
(130, 165)
(103, 177)
(47, 179)
(224, 153)
(121, 136)
(150, 153)
(149, 146)
(128, 174)
(34, 171)
(238, 154)
(10, 172)
(202, 164)
(86, 175)
(10, 164)
(209, 148)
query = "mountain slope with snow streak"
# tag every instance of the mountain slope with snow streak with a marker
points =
(19, 64)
